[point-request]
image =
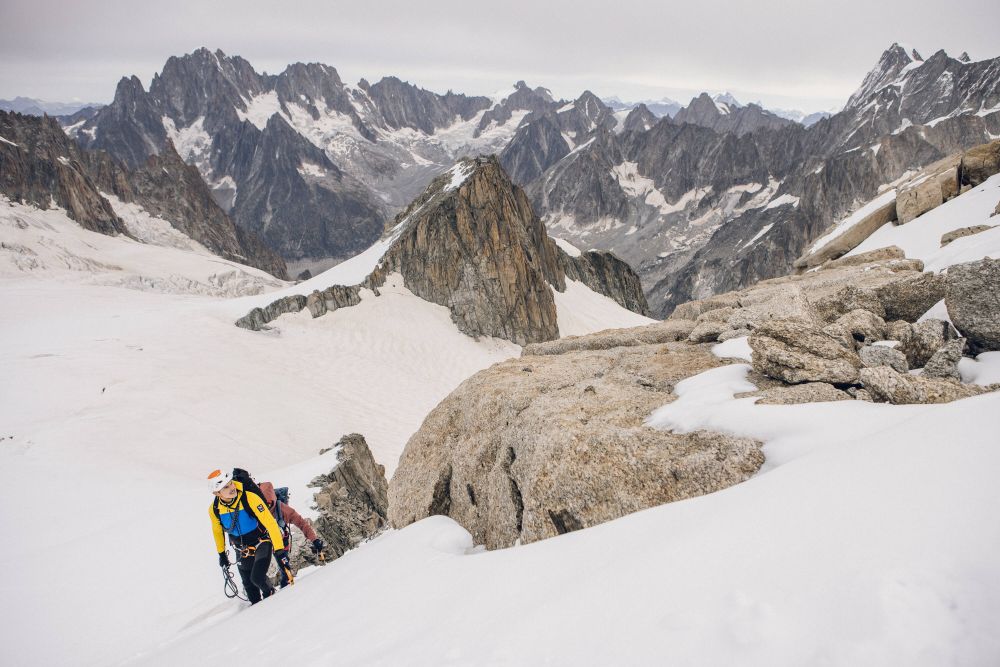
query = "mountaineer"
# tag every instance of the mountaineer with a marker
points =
(240, 511)
(286, 516)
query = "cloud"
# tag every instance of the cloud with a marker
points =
(810, 52)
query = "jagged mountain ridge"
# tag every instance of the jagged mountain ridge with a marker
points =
(41, 166)
(657, 197)
(313, 165)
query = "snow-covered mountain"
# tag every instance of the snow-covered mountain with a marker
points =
(660, 108)
(41, 166)
(312, 164)
(677, 200)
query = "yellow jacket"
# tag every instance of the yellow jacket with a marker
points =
(236, 520)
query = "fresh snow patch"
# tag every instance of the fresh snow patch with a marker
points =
(921, 238)
(9, 142)
(138, 391)
(192, 142)
(49, 244)
(310, 169)
(734, 348)
(567, 247)
(756, 236)
(459, 173)
(783, 200)
(260, 108)
(983, 370)
(580, 310)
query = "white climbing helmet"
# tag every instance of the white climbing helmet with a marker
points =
(218, 479)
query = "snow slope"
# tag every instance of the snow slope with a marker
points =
(869, 539)
(125, 381)
(921, 238)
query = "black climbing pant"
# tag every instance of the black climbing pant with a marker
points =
(253, 571)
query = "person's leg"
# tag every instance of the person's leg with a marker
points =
(258, 573)
(245, 566)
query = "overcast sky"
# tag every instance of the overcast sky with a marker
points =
(805, 55)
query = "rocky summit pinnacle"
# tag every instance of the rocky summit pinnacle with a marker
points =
(472, 243)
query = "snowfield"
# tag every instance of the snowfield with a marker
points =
(869, 537)
(125, 382)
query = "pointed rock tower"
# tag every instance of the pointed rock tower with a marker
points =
(472, 243)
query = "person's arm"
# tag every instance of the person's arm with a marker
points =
(217, 533)
(291, 516)
(266, 519)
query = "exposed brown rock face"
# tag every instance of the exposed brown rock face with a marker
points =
(948, 237)
(477, 248)
(980, 163)
(40, 165)
(352, 499)
(606, 274)
(795, 352)
(937, 184)
(850, 239)
(889, 386)
(537, 446)
(481, 251)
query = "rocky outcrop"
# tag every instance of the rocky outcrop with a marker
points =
(857, 328)
(938, 183)
(973, 302)
(541, 445)
(920, 341)
(955, 234)
(873, 356)
(980, 163)
(257, 318)
(332, 298)
(668, 331)
(944, 362)
(473, 244)
(479, 249)
(606, 274)
(888, 386)
(809, 392)
(850, 239)
(910, 297)
(351, 499)
(795, 352)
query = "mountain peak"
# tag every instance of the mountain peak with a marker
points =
(890, 65)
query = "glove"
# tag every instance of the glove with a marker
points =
(223, 559)
(283, 560)
(317, 545)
